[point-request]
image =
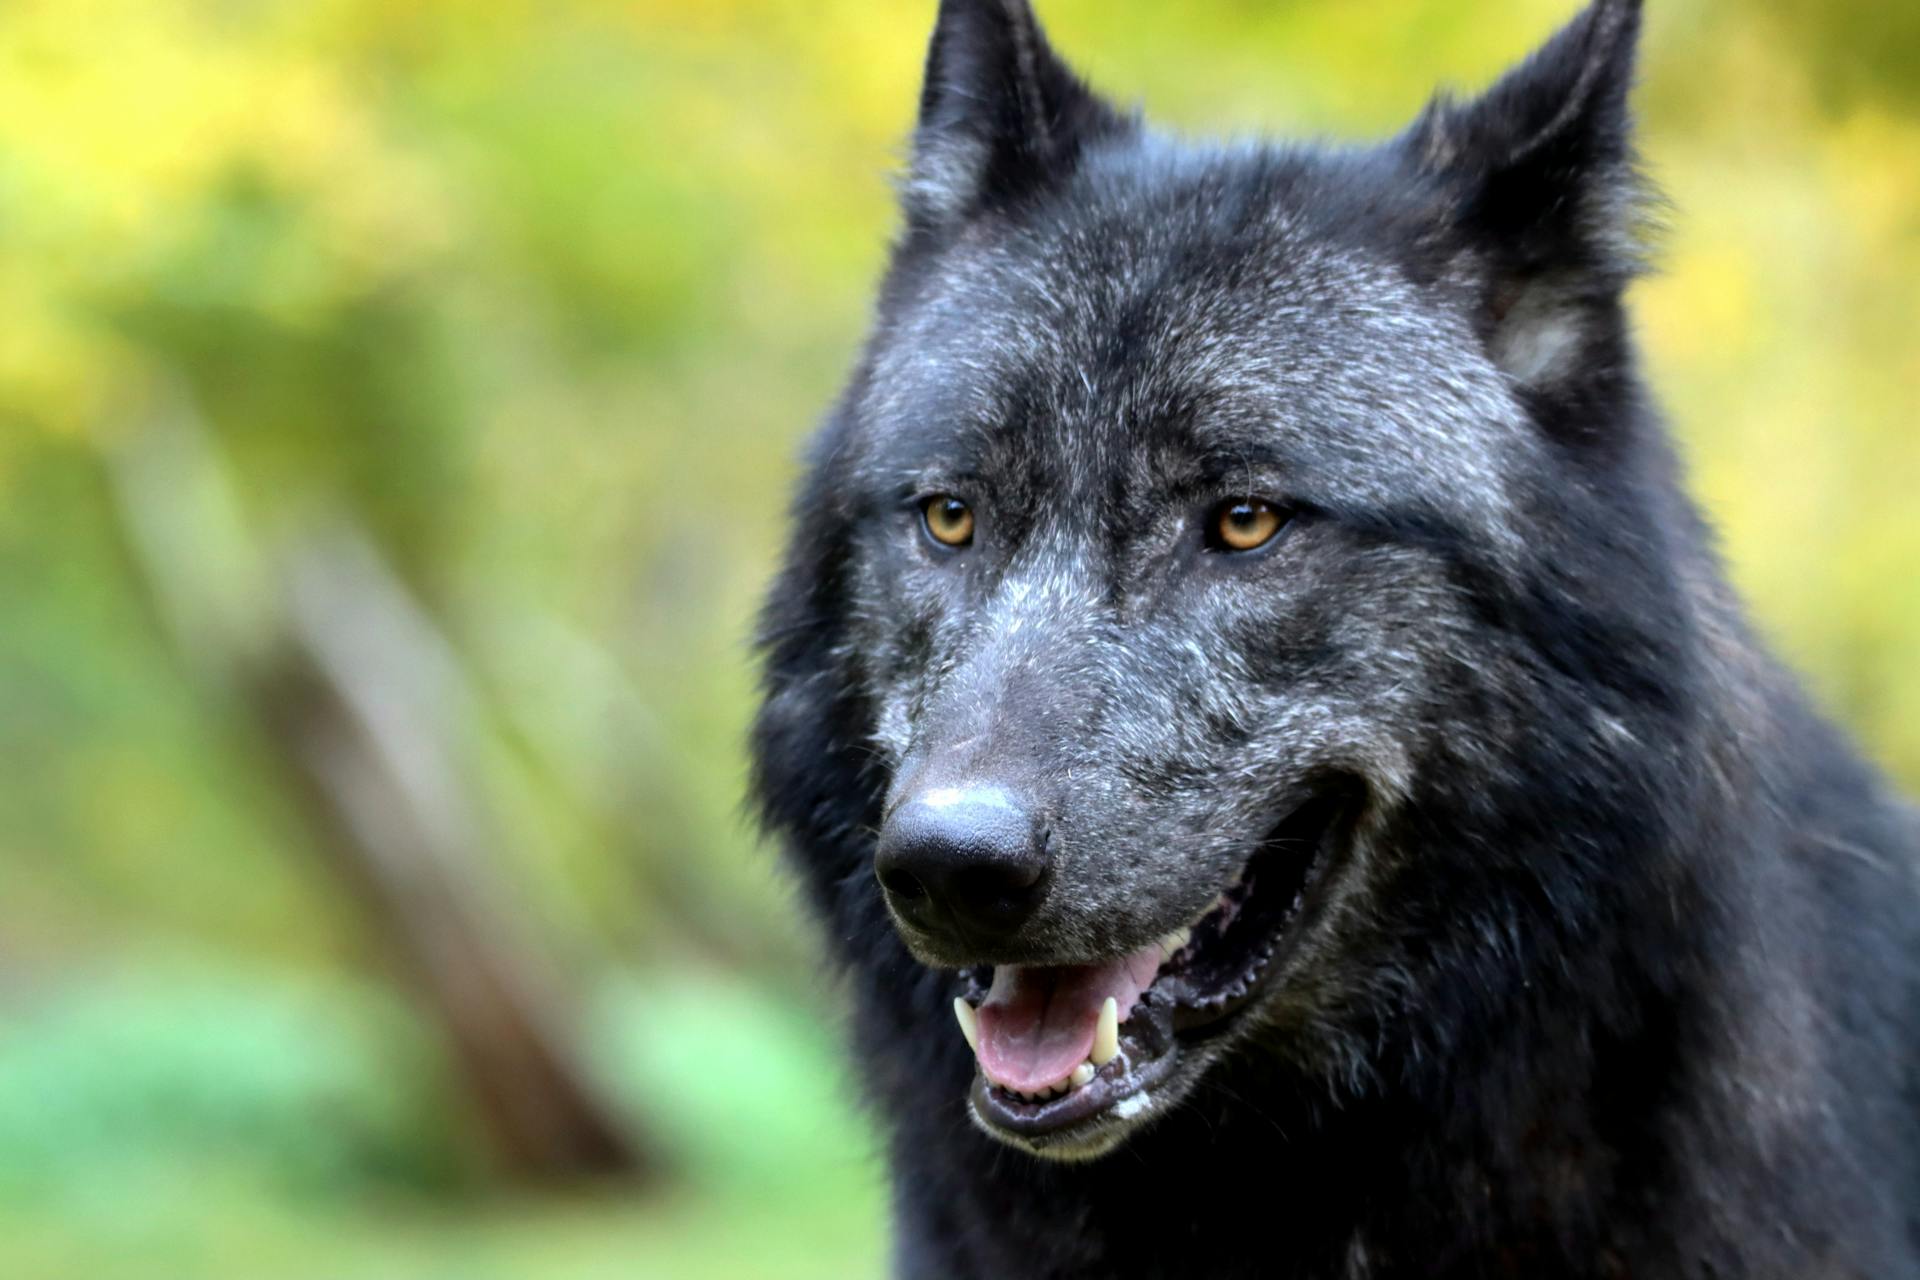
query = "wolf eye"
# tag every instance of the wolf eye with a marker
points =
(949, 521)
(1244, 525)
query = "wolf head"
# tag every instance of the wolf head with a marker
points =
(1223, 562)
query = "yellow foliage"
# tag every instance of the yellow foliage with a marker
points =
(540, 290)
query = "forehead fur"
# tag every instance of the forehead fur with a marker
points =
(1237, 303)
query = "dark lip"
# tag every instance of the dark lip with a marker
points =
(1206, 987)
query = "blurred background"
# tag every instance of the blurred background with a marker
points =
(397, 404)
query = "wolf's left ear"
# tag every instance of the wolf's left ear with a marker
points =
(1000, 114)
(1538, 181)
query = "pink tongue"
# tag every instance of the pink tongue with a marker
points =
(1037, 1024)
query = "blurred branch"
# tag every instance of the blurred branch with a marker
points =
(366, 709)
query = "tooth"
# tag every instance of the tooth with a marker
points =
(969, 1023)
(1176, 940)
(1082, 1076)
(1106, 1036)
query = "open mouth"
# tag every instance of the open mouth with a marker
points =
(1068, 1052)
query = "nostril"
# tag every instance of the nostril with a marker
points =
(995, 893)
(901, 883)
(998, 880)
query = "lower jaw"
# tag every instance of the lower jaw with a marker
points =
(1120, 1093)
(1164, 1042)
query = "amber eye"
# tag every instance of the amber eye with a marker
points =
(949, 521)
(1245, 525)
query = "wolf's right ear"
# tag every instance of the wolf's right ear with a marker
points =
(1000, 114)
(1538, 181)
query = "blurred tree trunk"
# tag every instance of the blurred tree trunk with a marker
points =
(369, 716)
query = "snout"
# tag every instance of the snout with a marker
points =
(964, 866)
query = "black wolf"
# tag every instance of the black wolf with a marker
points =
(1246, 655)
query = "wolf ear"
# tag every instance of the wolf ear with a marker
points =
(1538, 179)
(1000, 113)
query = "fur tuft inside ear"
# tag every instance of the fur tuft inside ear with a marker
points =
(1539, 184)
(1000, 113)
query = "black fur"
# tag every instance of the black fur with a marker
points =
(1626, 983)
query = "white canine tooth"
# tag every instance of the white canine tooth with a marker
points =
(1106, 1036)
(969, 1023)
(1082, 1076)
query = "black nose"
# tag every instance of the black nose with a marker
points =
(969, 864)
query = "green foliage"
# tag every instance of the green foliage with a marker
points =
(185, 1119)
(119, 1080)
(545, 296)
(736, 1083)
